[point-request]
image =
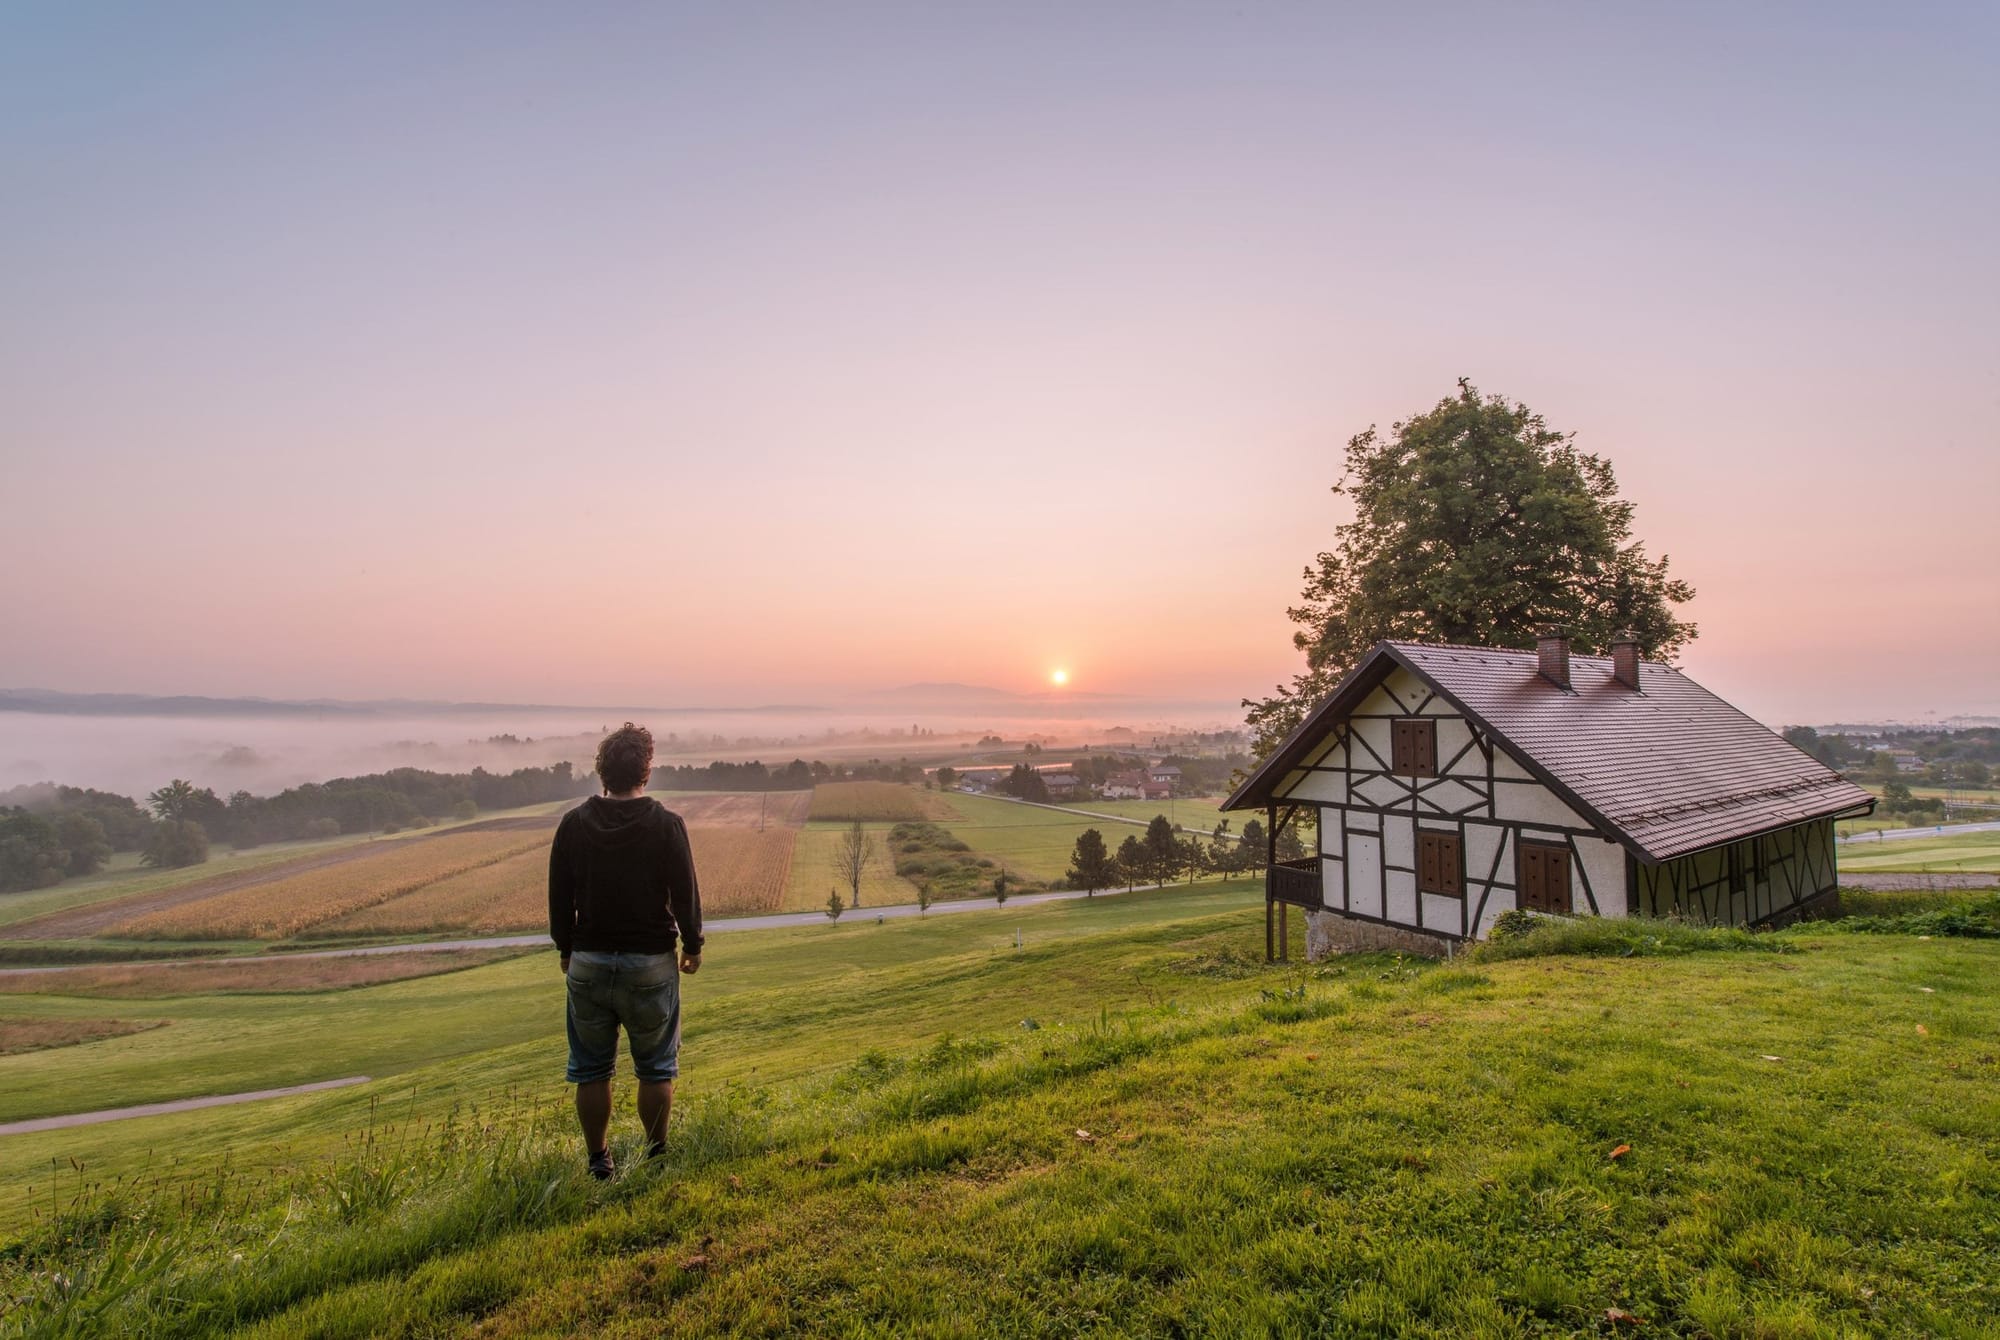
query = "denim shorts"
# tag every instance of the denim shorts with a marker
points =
(641, 992)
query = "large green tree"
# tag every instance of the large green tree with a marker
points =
(1475, 523)
(1091, 866)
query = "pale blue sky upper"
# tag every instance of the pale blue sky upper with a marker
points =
(950, 343)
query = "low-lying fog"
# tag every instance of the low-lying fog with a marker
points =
(133, 755)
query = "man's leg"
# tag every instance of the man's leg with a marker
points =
(656, 1104)
(593, 1113)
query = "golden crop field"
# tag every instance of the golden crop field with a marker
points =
(276, 908)
(870, 802)
(742, 871)
(509, 895)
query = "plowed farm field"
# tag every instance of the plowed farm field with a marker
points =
(276, 908)
(743, 870)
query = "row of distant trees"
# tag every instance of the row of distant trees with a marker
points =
(1163, 855)
(51, 833)
(1951, 757)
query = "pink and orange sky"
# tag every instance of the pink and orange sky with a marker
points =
(733, 354)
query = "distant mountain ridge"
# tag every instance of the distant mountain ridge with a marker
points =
(57, 702)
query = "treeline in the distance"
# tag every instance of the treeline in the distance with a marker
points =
(49, 833)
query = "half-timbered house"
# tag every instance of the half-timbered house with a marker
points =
(1452, 784)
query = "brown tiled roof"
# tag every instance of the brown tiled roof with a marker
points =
(1667, 771)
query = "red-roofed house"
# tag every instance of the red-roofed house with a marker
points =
(1453, 784)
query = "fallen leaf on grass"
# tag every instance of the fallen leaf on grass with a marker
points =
(1618, 1316)
(695, 1263)
(1922, 1031)
(1774, 1058)
(1928, 990)
(1312, 1056)
(1084, 1135)
(735, 1182)
(1621, 1151)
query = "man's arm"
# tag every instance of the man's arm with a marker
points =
(683, 893)
(562, 895)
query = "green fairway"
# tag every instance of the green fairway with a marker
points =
(1944, 853)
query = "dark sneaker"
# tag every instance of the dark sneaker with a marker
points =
(600, 1165)
(655, 1150)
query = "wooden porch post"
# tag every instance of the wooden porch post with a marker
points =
(1270, 954)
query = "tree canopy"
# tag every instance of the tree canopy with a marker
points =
(1474, 523)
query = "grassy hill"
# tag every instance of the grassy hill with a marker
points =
(1128, 1126)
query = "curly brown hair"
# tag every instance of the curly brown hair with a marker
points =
(625, 758)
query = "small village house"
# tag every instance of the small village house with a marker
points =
(1452, 784)
(1124, 786)
(1165, 774)
(1061, 785)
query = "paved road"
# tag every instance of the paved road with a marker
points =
(178, 1105)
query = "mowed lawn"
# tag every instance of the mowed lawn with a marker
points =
(1131, 1126)
(1968, 852)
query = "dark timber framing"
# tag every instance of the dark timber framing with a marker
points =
(1434, 795)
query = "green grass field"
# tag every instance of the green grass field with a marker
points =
(1130, 1126)
(816, 869)
(1945, 853)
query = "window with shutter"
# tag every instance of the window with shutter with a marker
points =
(1440, 864)
(1413, 748)
(1542, 883)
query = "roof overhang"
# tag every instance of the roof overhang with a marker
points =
(1259, 788)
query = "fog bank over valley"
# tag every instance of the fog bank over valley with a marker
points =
(134, 745)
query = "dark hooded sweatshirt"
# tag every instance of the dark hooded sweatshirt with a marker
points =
(621, 879)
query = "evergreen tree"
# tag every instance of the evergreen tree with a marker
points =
(1091, 866)
(1163, 850)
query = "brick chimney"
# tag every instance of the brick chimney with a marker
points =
(1552, 653)
(1625, 658)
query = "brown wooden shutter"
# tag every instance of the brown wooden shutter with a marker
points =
(1451, 860)
(1424, 738)
(1401, 747)
(1427, 862)
(1544, 878)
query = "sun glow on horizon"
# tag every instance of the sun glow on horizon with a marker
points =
(1058, 677)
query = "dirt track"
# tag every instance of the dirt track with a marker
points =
(99, 917)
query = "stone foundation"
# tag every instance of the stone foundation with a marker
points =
(1332, 933)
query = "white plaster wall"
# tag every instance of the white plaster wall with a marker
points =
(1481, 842)
(1332, 881)
(1534, 805)
(1505, 765)
(1453, 735)
(1327, 787)
(1605, 863)
(1364, 873)
(1402, 898)
(1376, 734)
(1399, 844)
(1382, 790)
(1453, 797)
(1442, 914)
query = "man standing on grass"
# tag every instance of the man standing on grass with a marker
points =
(621, 888)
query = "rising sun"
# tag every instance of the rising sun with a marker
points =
(1058, 677)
